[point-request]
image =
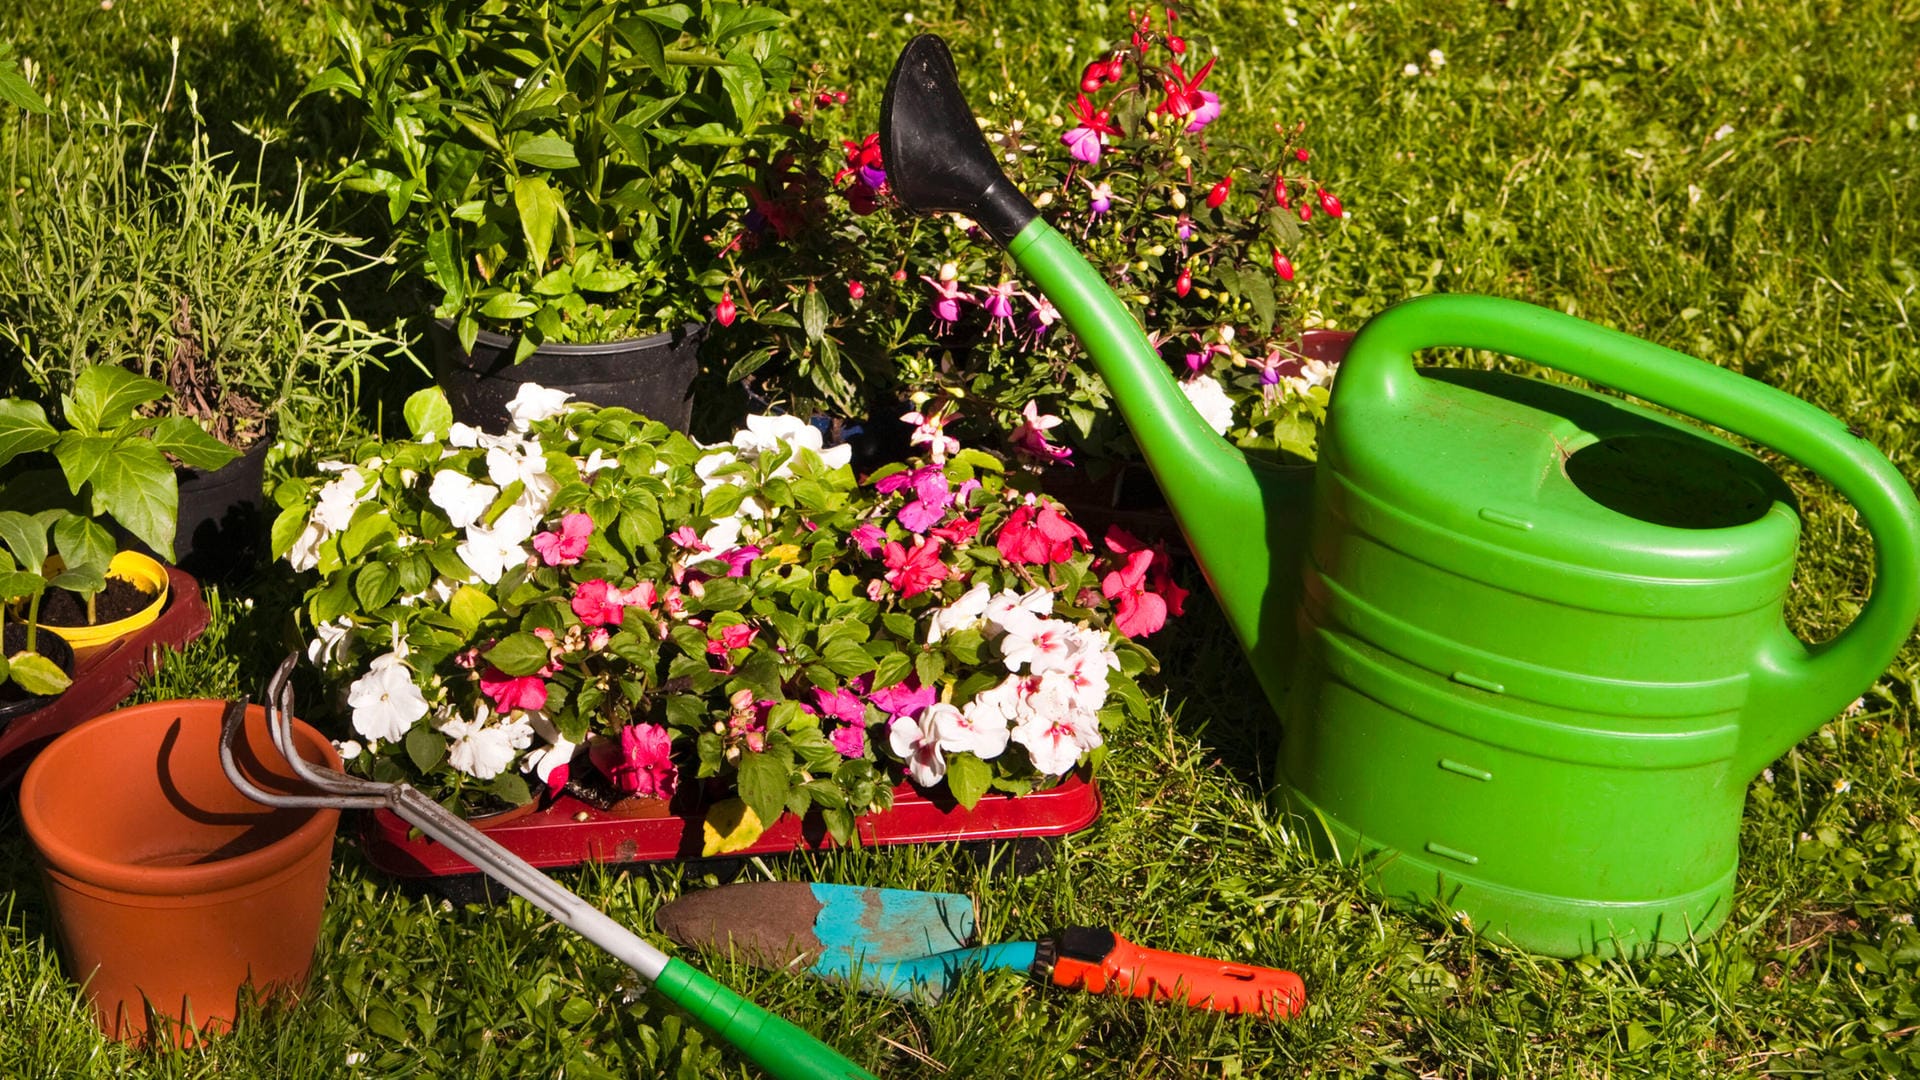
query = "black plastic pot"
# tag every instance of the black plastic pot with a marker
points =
(13, 701)
(652, 376)
(222, 529)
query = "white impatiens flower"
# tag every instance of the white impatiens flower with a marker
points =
(1210, 400)
(484, 750)
(917, 742)
(305, 553)
(332, 511)
(1082, 680)
(385, 701)
(534, 403)
(1039, 645)
(1012, 607)
(348, 749)
(464, 437)
(723, 535)
(489, 550)
(463, 499)
(960, 614)
(556, 754)
(525, 462)
(1055, 740)
(764, 434)
(328, 637)
(983, 727)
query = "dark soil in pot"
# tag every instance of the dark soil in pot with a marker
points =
(652, 376)
(13, 700)
(120, 599)
(222, 528)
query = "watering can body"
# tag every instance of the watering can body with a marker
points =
(1528, 640)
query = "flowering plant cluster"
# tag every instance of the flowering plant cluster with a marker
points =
(836, 299)
(592, 600)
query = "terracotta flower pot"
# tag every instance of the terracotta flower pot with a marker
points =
(169, 887)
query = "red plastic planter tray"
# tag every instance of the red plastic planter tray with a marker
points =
(556, 837)
(104, 677)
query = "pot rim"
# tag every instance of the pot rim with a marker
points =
(72, 751)
(128, 566)
(495, 339)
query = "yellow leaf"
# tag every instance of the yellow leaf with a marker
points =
(730, 826)
(784, 553)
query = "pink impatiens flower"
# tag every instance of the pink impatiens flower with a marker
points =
(595, 603)
(564, 546)
(915, 571)
(870, 537)
(644, 763)
(903, 698)
(850, 739)
(687, 538)
(738, 559)
(510, 693)
(1045, 536)
(737, 636)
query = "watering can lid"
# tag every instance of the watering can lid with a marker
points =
(1560, 477)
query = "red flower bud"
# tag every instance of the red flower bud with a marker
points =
(1282, 266)
(1172, 16)
(1093, 76)
(1116, 67)
(726, 312)
(1090, 84)
(1217, 194)
(1183, 284)
(839, 97)
(824, 97)
(1302, 154)
(856, 290)
(1306, 211)
(899, 275)
(1177, 44)
(1331, 204)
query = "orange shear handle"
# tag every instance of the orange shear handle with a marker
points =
(1081, 962)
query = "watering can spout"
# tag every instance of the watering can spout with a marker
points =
(1244, 520)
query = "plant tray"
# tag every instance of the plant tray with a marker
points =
(569, 832)
(105, 676)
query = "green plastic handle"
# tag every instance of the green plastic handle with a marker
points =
(1796, 687)
(782, 1050)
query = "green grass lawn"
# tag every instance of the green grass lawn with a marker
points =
(1735, 180)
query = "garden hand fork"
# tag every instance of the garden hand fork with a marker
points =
(781, 1049)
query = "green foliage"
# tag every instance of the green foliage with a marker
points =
(557, 169)
(185, 274)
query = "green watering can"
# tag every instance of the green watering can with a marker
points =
(1527, 640)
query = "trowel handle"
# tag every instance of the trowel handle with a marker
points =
(1796, 687)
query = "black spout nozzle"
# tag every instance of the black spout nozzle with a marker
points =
(931, 147)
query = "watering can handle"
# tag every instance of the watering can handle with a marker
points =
(1796, 687)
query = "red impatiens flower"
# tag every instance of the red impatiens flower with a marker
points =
(564, 546)
(917, 570)
(509, 693)
(1143, 585)
(1039, 536)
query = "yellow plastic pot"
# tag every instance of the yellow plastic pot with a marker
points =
(143, 571)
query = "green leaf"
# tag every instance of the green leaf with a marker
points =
(287, 527)
(36, 674)
(332, 79)
(427, 413)
(470, 605)
(929, 666)
(892, 669)
(545, 152)
(20, 585)
(105, 397)
(507, 306)
(185, 440)
(518, 654)
(426, 748)
(846, 657)
(540, 213)
(383, 1022)
(16, 90)
(968, 778)
(82, 542)
(1259, 293)
(374, 586)
(644, 41)
(80, 456)
(511, 788)
(763, 785)
(370, 523)
(23, 429)
(26, 537)
(85, 579)
(136, 485)
(813, 314)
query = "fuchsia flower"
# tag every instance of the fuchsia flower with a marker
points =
(998, 303)
(915, 571)
(1205, 113)
(1100, 197)
(510, 693)
(1042, 317)
(947, 300)
(564, 546)
(1095, 129)
(1030, 435)
(1184, 227)
(930, 431)
(869, 536)
(595, 603)
(725, 312)
(644, 762)
(1044, 536)
(1184, 97)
